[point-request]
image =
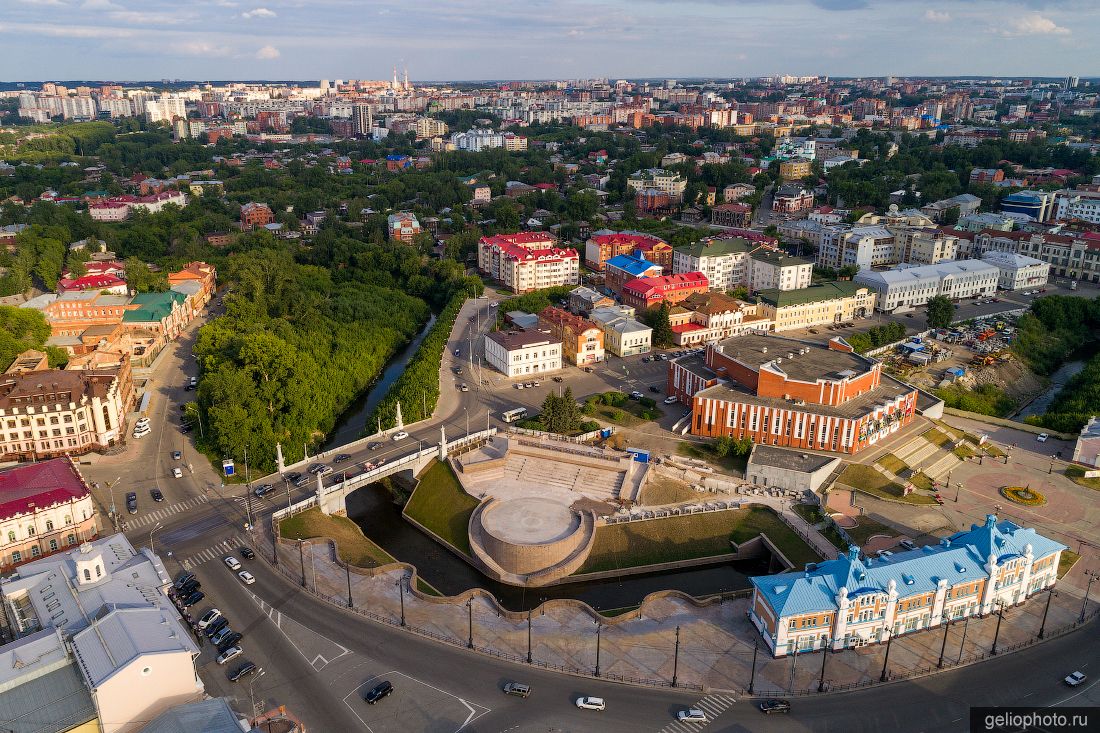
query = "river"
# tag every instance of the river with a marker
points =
(372, 508)
(1058, 381)
(352, 424)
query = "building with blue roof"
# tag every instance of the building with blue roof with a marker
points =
(853, 601)
(621, 269)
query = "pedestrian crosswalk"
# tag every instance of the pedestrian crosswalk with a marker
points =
(158, 515)
(218, 551)
(713, 705)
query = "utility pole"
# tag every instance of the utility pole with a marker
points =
(824, 657)
(676, 657)
(599, 628)
(470, 607)
(1092, 576)
(1000, 617)
(886, 659)
(1043, 625)
(752, 675)
(943, 647)
(248, 490)
(154, 529)
(401, 591)
(528, 635)
(962, 645)
(302, 557)
(347, 569)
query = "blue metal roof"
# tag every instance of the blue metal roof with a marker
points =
(635, 266)
(957, 559)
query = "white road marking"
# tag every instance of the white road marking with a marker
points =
(472, 707)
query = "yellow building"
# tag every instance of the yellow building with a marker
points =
(795, 169)
(836, 302)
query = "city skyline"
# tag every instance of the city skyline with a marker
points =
(109, 39)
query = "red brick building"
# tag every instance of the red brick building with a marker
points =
(649, 292)
(786, 392)
(731, 215)
(255, 215)
(602, 246)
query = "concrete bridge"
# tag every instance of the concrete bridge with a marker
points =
(331, 498)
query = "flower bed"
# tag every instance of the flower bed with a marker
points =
(1023, 495)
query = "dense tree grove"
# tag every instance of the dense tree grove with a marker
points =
(941, 312)
(561, 414)
(1054, 328)
(876, 336)
(22, 329)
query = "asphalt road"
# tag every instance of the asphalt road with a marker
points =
(319, 659)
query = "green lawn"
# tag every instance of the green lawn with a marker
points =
(1066, 561)
(921, 481)
(1077, 474)
(893, 464)
(352, 544)
(810, 512)
(440, 505)
(660, 490)
(870, 481)
(964, 451)
(628, 414)
(688, 537)
(868, 528)
(937, 437)
(705, 452)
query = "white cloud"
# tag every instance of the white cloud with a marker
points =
(937, 16)
(267, 53)
(42, 2)
(100, 5)
(258, 13)
(575, 32)
(67, 31)
(1031, 25)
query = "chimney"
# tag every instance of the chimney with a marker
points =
(764, 350)
(790, 354)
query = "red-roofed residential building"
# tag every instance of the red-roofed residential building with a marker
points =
(99, 283)
(527, 261)
(254, 215)
(581, 339)
(45, 507)
(649, 292)
(602, 246)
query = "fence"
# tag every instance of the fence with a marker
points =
(295, 508)
(890, 347)
(582, 438)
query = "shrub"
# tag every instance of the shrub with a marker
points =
(617, 415)
(589, 425)
(647, 402)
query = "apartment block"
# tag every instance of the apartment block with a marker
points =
(528, 261)
(820, 305)
(774, 269)
(907, 287)
(581, 340)
(522, 353)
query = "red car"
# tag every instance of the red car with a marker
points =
(939, 499)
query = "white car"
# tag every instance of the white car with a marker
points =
(246, 577)
(176, 472)
(230, 654)
(232, 563)
(142, 432)
(591, 703)
(142, 422)
(399, 435)
(209, 617)
(671, 400)
(691, 715)
(1042, 437)
(1075, 679)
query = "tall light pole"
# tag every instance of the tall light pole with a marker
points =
(114, 510)
(1092, 576)
(943, 647)
(1043, 625)
(154, 529)
(467, 411)
(252, 698)
(1000, 617)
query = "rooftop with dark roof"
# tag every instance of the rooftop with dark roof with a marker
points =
(818, 361)
(815, 294)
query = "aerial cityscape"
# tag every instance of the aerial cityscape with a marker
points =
(569, 387)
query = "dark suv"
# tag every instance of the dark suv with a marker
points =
(775, 706)
(131, 502)
(378, 692)
(243, 671)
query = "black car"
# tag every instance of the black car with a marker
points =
(556, 379)
(655, 389)
(184, 580)
(185, 428)
(379, 691)
(189, 587)
(263, 490)
(302, 481)
(316, 468)
(229, 641)
(341, 457)
(215, 627)
(292, 477)
(194, 598)
(243, 671)
(247, 553)
(131, 502)
(373, 445)
(775, 706)
(157, 496)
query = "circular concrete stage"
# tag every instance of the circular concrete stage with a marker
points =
(530, 521)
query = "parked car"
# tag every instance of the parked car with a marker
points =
(588, 369)
(247, 553)
(591, 703)
(230, 654)
(189, 587)
(215, 626)
(518, 385)
(341, 457)
(230, 641)
(517, 689)
(458, 352)
(670, 400)
(246, 577)
(157, 495)
(463, 387)
(141, 432)
(636, 395)
(263, 490)
(243, 671)
(1042, 437)
(183, 580)
(177, 472)
(1073, 680)
(177, 455)
(194, 598)
(378, 692)
(884, 554)
(775, 706)
(908, 544)
(557, 379)
(373, 445)
(131, 502)
(399, 435)
(209, 617)
(655, 389)
(221, 635)
(645, 359)
(691, 715)
(232, 563)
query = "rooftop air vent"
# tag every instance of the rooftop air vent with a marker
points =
(790, 354)
(764, 350)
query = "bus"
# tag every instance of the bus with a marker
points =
(512, 415)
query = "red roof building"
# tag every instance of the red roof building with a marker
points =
(102, 283)
(650, 292)
(527, 261)
(603, 246)
(45, 507)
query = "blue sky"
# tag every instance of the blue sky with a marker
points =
(539, 39)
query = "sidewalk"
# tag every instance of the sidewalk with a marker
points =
(716, 640)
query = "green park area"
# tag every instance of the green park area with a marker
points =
(1077, 475)
(441, 506)
(353, 546)
(690, 537)
(868, 480)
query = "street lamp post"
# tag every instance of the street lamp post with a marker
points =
(347, 569)
(752, 675)
(528, 635)
(962, 644)
(302, 557)
(997, 633)
(886, 659)
(467, 411)
(401, 592)
(943, 646)
(252, 697)
(114, 510)
(599, 629)
(676, 657)
(470, 608)
(1043, 625)
(154, 529)
(1092, 576)
(824, 657)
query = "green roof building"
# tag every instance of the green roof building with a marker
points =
(833, 302)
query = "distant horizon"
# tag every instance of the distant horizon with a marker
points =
(546, 39)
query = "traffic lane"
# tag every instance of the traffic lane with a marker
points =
(942, 702)
(288, 679)
(471, 676)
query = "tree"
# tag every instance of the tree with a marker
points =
(941, 311)
(740, 293)
(662, 328)
(140, 278)
(560, 414)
